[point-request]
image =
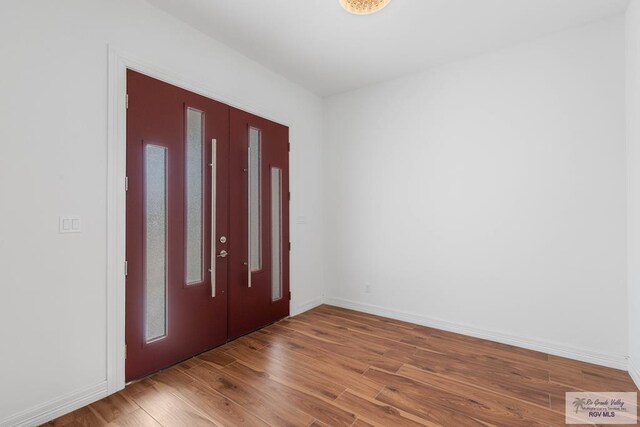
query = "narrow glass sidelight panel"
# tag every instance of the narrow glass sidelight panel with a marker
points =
(255, 200)
(276, 234)
(155, 250)
(193, 196)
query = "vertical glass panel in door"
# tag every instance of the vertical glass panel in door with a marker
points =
(155, 249)
(255, 252)
(193, 196)
(276, 234)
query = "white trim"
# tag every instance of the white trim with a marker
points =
(612, 361)
(119, 62)
(301, 308)
(116, 214)
(57, 407)
(634, 372)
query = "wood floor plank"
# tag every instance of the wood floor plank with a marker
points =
(350, 351)
(371, 318)
(496, 347)
(466, 399)
(84, 417)
(361, 336)
(337, 367)
(426, 408)
(302, 375)
(513, 382)
(188, 364)
(378, 413)
(339, 335)
(169, 410)
(112, 407)
(593, 373)
(254, 341)
(136, 387)
(217, 357)
(276, 329)
(448, 344)
(377, 340)
(254, 399)
(137, 418)
(575, 377)
(589, 367)
(294, 342)
(173, 377)
(322, 409)
(218, 407)
(331, 372)
(382, 330)
(361, 423)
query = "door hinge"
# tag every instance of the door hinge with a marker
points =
(289, 195)
(126, 183)
(126, 268)
(289, 147)
(289, 246)
(125, 351)
(289, 295)
(126, 101)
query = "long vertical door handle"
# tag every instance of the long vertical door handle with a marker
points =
(249, 217)
(214, 150)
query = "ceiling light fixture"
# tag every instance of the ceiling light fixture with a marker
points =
(363, 7)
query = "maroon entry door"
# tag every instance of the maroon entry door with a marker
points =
(259, 223)
(176, 291)
(207, 224)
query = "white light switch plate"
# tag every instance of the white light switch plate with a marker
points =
(70, 224)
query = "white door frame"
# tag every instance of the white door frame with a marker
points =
(119, 61)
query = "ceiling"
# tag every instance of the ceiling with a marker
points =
(327, 50)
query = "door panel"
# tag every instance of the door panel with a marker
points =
(207, 224)
(170, 312)
(261, 241)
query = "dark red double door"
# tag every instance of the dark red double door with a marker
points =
(207, 224)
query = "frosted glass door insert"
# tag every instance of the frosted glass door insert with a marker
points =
(255, 250)
(155, 228)
(276, 234)
(193, 196)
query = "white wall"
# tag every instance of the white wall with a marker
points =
(53, 151)
(633, 155)
(488, 195)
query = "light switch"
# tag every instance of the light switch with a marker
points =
(70, 224)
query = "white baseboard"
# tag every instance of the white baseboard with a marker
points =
(301, 308)
(611, 361)
(634, 372)
(57, 407)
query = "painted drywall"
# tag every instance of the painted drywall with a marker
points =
(488, 195)
(633, 188)
(53, 161)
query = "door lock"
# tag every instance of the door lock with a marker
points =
(223, 254)
(223, 239)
